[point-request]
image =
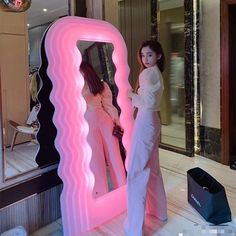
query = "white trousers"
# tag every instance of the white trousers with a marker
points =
(105, 146)
(145, 184)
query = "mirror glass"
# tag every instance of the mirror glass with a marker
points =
(172, 38)
(20, 126)
(108, 153)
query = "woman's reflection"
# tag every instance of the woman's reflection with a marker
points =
(101, 116)
(34, 85)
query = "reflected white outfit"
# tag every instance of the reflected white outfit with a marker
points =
(145, 184)
(101, 115)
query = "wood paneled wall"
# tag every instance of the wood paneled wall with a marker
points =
(32, 213)
(95, 9)
(111, 12)
(14, 70)
(135, 26)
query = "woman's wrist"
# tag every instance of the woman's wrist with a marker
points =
(116, 121)
(130, 94)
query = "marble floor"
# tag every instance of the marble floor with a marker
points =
(183, 220)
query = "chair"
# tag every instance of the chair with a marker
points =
(30, 128)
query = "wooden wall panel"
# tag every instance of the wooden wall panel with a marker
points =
(32, 213)
(14, 71)
(135, 26)
(133, 19)
(11, 22)
(126, 30)
(111, 13)
(95, 9)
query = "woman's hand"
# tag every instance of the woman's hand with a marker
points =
(130, 93)
(116, 121)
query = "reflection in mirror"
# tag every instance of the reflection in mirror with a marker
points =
(102, 114)
(172, 38)
(20, 121)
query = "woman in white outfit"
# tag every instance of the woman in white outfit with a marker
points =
(145, 184)
(101, 116)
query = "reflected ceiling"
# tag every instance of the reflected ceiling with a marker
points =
(55, 9)
(169, 4)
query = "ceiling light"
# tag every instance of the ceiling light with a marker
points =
(28, 25)
(44, 9)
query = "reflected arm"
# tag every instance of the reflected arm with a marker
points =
(107, 104)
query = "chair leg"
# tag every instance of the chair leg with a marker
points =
(13, 140)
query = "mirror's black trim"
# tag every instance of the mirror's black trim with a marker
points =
(80, 8)
(47, 154)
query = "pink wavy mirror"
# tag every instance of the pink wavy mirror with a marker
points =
(80, 211)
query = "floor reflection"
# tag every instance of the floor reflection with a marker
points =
(21, 159)
(174, 134)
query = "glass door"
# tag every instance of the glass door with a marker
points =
(171, 36)
(178, 31)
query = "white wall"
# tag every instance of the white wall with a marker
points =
(210, 62)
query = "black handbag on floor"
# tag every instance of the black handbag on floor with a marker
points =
(207, 196)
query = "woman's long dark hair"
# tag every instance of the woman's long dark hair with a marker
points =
(157, 48)
(94, 82)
